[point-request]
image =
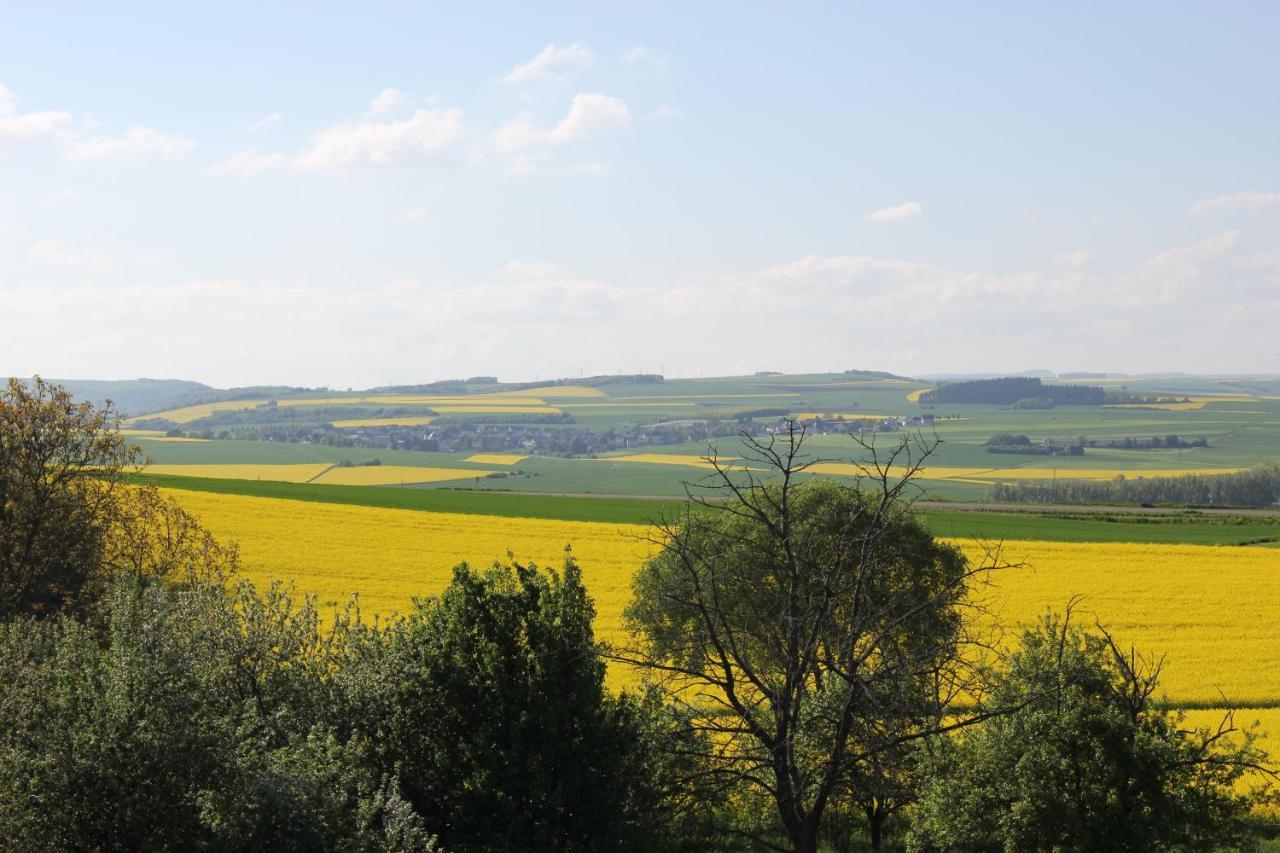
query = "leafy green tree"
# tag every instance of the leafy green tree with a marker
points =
(813, 630)
(184, 722)
(60, 464)
(1089, 761)
(69, 518)
(499, 726)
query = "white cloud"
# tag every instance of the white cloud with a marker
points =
(266, 121)
(426, 136)
(1074, 259)
(414, 214)
(551, 63)
(136, 142)
(643, 58)
(53, 253)
(1235, 201)
(895, 213)
(387, 100)
(1219, 315)
(250, 162)
(16, 125)
(589, 113)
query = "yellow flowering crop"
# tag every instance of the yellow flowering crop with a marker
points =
(296, 473)
(496, 458)
(356, 423)
(389, 556)
(1214, 611)
(187, 414)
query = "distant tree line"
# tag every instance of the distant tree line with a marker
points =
(1155, 442)
(1023, 445)
(1259, 486)
(1012, 390)
(806, 683)
(1144, 399)
(871, 374)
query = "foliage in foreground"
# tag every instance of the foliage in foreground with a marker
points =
(144, 707)
(195, 720)
(68, 521)
(814, 631)
(1087, 761)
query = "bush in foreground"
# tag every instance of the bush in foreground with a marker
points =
(1087, 761)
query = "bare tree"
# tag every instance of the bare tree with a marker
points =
(812, 631)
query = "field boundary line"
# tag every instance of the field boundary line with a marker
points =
(321, 474)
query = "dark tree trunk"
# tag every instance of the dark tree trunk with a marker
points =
(875, 828)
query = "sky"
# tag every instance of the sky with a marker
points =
(351, 195)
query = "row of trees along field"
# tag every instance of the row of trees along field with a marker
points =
(807, 680)
(1258, 486)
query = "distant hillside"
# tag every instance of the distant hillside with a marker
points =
(134, 396)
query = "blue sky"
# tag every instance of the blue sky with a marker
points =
(342, 195)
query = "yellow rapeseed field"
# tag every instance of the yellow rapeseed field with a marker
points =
(1264, 722)
(1214, 611)
(356, 423)
(390, 556)
(496, 458)
(914, 396)
(393, 475)
(295, 473)
(187, 414)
